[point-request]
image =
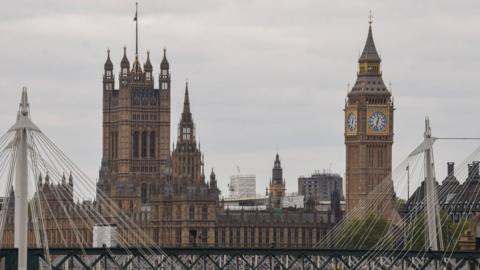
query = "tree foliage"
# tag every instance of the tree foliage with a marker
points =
(417, 232)
(362, 233)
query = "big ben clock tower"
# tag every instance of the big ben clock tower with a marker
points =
(369, 138)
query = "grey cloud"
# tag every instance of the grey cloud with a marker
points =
(265, 76)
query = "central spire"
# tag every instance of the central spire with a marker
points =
(186, 128)
(186, 101)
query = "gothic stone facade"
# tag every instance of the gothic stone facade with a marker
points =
(165, 192)
(54, 200)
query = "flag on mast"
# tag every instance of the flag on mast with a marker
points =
(135, 18)
(136, 29)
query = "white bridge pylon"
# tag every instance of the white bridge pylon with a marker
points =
(22, 127)
(434, 224)
(25, 153)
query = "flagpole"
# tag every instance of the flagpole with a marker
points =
(136, 29)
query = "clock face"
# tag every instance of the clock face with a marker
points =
(351, 121)
(377, 121)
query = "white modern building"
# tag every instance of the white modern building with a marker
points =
(104, 235)
(293, 200)
(261, 202)
(242, 186)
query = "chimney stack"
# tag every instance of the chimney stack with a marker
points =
(451, 168)
(473, 170)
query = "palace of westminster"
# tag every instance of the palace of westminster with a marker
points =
(165, 190)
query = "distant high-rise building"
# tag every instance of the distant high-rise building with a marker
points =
(319, 186)
(242, 186)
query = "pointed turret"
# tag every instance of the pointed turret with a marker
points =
(277, 171)
(277, 185)
(148, 68)
(213, 180)
(40, 179)
(125, 63)
(148, 65)
(108, 80)
(164, 64)
(212, 175)
(70, 179)
(108, 63)
(186, 128)
(47, 179)
(125, 66)
(164, 73)
(186, 157)
(186, 101)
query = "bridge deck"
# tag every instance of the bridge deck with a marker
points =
(243, 258)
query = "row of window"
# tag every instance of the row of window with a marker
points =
(124, 73)
(108, 73)
(376, 157)
(114, 144)
(192, 212)
(144, 117)
(148, 74)
(144, 169)
(247, 237)
(143, 144)
(186, 165)
(164, 85)
(267, 236)
(186, 133)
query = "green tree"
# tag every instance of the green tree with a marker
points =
(361, 233)
(451, 231)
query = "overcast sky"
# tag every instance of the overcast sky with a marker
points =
(265, 76)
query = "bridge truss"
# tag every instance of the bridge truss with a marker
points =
(239, 259)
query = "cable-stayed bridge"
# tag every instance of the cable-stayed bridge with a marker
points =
(34, 172)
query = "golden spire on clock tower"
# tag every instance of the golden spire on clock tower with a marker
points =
(369, 61)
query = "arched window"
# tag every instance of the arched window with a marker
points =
(179, 212)
(135, 144)
(116, 145)
(152, 144)
(191, 214)
(143, 193)
(112, 144)
(144, 144)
